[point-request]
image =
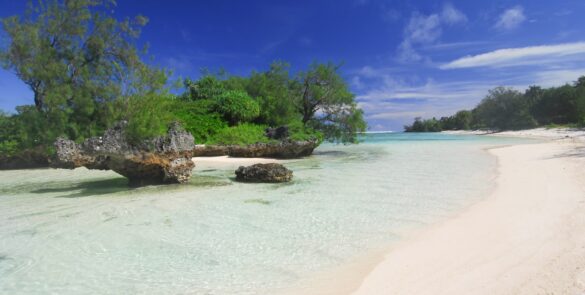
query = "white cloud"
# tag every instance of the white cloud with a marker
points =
(430, 90)
(551, 78)
(356, 82)
(511, 18)
(451, 15)
(423, 29)
(407, 54)
(426, 29)
(536, 55)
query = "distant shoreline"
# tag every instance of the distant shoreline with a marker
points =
(536, 133)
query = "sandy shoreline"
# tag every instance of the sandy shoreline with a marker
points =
(226, 162)
(527, 237)
(573, 134)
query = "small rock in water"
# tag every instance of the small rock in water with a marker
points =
(271, 172)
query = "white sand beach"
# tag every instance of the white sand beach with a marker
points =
(526, 237)
(537, 133)
(225, 162)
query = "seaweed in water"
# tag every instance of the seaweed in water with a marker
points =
(258, 201)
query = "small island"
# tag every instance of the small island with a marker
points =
(87, 81)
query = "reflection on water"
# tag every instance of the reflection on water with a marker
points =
(81, 231)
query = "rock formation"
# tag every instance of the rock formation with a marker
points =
(285, 149)
(162, 160)
(271, 172)
(278, 133)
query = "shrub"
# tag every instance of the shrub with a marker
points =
(148, 116)
(298, 131)
(240, 135)
(237, 107)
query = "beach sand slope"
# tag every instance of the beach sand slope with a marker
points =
(527, 237)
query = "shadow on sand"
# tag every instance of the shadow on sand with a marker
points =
(578, 152)
(88, 188)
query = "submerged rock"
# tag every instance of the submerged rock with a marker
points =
(162, 160)
(271, 172)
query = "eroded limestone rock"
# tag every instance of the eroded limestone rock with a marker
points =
(162, 160)
(271, 172)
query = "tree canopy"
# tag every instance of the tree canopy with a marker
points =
(86, 72)
(79, 62)
(508, 109)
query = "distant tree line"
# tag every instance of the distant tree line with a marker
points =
(508, 109)
(86, 72)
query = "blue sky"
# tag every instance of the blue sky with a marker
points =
(402, 58)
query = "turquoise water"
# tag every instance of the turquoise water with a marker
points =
(81, 231)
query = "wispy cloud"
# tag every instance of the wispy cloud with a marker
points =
(455, 45)
(451, 15)
(391, 99)
(426, 29)
(511, 18)
(537, 55)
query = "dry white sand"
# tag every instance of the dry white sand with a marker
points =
(226, 162)
(527, 237)
(538, 133)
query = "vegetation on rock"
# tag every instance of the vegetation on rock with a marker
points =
(86, 73)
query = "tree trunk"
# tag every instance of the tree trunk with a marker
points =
(38, 101)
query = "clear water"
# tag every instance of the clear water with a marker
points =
(81, 231)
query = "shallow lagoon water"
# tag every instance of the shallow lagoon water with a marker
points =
(81, 231)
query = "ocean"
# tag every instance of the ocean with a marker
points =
(85, 232)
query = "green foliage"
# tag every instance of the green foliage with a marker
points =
(242, 134)
(148, 116)
(236, 107)
(196, 118)
(420, 125)
(319, 98)
(322, 89)
(300, 132)
(208, 87)
(503, 109)
(8, 135)
(507, 109)
(272, 89)
(460, 121)
(86, 73)
(81, 65)
(560, 105)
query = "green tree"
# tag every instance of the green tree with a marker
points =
(421, 125)
(272, 90)
(462, 120)
(324, 101)
(503, 109)
(207, 87)
(558, 105)
(236, 107)
(78, 61)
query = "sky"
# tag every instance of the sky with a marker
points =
(402, 59)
